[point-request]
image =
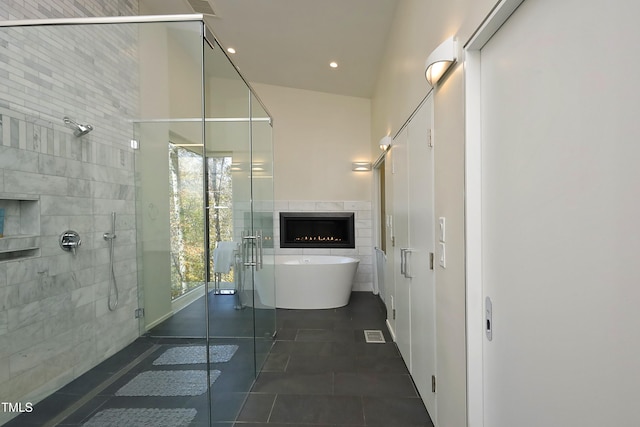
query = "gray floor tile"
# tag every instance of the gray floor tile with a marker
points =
(286, 334)
(333, 363)
(331, 335)
(257, 408)
(367, 384)
(301, 347)
(395, 412)
(308, 323)
(320, 373)
(318, 410)
(294, 383)
(276, 362)
(381, 365)
(224, 406)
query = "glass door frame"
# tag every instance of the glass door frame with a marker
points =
(255, 243)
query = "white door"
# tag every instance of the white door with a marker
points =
(402, 298)
(389, 278)
(413, 229)
(418, 262)
(560, 212)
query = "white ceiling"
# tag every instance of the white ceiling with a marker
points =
(291, 42)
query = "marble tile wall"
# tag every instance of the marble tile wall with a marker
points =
(54, 321)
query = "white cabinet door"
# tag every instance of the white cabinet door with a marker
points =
(401, 237)
(421, 243)
(413, 229)
(389, 271)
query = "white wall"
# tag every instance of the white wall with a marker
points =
(316, 137)
(419, 26)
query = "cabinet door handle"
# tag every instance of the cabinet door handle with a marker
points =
(404, 262)
(407, 263)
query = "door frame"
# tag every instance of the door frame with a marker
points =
(473, 208)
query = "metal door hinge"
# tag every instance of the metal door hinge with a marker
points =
(393, 313)
(138, 313)
(429, 139)
(431, 260)
(433, 383)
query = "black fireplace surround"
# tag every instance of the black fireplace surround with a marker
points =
(317, 230)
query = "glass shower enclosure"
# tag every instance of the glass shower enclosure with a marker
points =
(137, 186)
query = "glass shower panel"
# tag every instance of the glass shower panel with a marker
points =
(228, 153)
(170, 221)
(170, 180)
(170, 228)
(263, 226)
(90, 137)
(228, 202)
(66, 168)
(155, 131)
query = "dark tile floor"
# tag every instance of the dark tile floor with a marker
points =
(319, 373)
(228, 394)
(224, 319)
(322, 373)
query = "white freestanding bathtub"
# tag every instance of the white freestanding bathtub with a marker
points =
(311, 281)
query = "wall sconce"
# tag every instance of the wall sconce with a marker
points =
(385, 143)
(440, 60)
(361, 166)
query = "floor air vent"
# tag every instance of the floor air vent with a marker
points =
(374, 336)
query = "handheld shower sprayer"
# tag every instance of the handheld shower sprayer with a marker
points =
(78, 129)
(112, 299)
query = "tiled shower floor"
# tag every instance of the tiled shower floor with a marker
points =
(152, 387)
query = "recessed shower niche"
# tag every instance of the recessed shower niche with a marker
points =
(21, 227)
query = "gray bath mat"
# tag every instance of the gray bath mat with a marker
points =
(192, 354)
(168, 383)
(142, 417)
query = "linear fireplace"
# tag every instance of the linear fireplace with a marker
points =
(317, 230)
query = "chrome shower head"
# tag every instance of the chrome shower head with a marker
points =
(78, 129)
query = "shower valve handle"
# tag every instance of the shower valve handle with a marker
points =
(70, 241)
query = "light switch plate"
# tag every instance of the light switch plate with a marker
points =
(442, 260)
(442, 228)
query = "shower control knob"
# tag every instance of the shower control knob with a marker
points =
(70, 241)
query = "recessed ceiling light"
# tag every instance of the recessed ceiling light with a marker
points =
(333, 64)
(231, 50)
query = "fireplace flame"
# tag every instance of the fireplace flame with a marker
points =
(317, 239)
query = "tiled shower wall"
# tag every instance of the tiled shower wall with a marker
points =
(363, 231)
(54, 321)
